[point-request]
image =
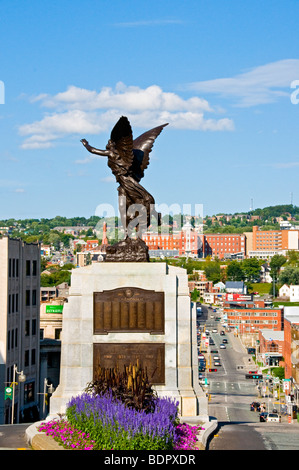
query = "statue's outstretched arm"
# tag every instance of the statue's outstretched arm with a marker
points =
(102, 153)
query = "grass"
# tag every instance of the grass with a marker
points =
(286, 304)
(261, 287)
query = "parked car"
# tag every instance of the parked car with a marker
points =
(214, 330)
(224, 340)
(263, 417)
(216, 358)
(217, 363)
(222, 346)
(273, 417)
(255, 406)
(222, 333)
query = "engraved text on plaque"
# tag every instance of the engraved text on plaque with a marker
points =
(151, 357)
(129, 309)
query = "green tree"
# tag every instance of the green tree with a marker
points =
(194, 295)
(235, 272)
(251, 269)
(212, 271)
(276, 263)
(290, 275)
(293, 258)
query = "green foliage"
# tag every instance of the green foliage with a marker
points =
(277, 261)
(212, 271)
(251, 269)
(55, 278)
(278, 372)
(290, 275)
(195, 295)
(235, 272)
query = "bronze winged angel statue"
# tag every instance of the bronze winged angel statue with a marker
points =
(128, 158)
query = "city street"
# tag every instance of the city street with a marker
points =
(12, 437)
(230, 396)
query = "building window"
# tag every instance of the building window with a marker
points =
(28, 392)
(33, 357)
(33, 327)
(34, 268)
(57, 333)
(27, 327)
(34, 297)
(27, 298)
(26, 358)
(28, 267)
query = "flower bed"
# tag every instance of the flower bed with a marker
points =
(103, 422)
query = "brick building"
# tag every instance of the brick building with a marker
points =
(223, 244)
(187, 241)
(248, 319)
(291, 347)
(270, 242)
(271, 346)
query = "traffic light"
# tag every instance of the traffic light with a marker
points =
(212, 370)
(253, 376)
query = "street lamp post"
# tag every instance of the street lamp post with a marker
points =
(45, 393)
(22, 378)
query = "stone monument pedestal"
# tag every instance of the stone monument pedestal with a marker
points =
(118, 312)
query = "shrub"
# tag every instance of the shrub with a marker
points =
(113, 425)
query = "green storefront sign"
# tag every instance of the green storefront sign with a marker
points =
(54, 308)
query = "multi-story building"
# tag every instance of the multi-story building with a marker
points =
(271, 347)
(291, 353)
(19, 332)
(248, 319)
(185, 242)
(264, 244)
(223, 244)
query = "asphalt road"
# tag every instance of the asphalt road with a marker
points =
(12, 437)
(230, 397)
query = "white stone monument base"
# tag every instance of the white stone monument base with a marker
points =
(179, 337)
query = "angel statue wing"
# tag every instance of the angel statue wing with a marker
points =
(125, 155)
(122, 140)
(142, 146)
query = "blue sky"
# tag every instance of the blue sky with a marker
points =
(220, 73)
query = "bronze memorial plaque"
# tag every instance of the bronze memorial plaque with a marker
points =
(151, 358)
(128, 309)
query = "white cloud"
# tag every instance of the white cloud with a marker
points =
(260, 85)
(280, 165)
(108, 179)
(80, 111)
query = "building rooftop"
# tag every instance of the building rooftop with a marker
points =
(272, 335)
